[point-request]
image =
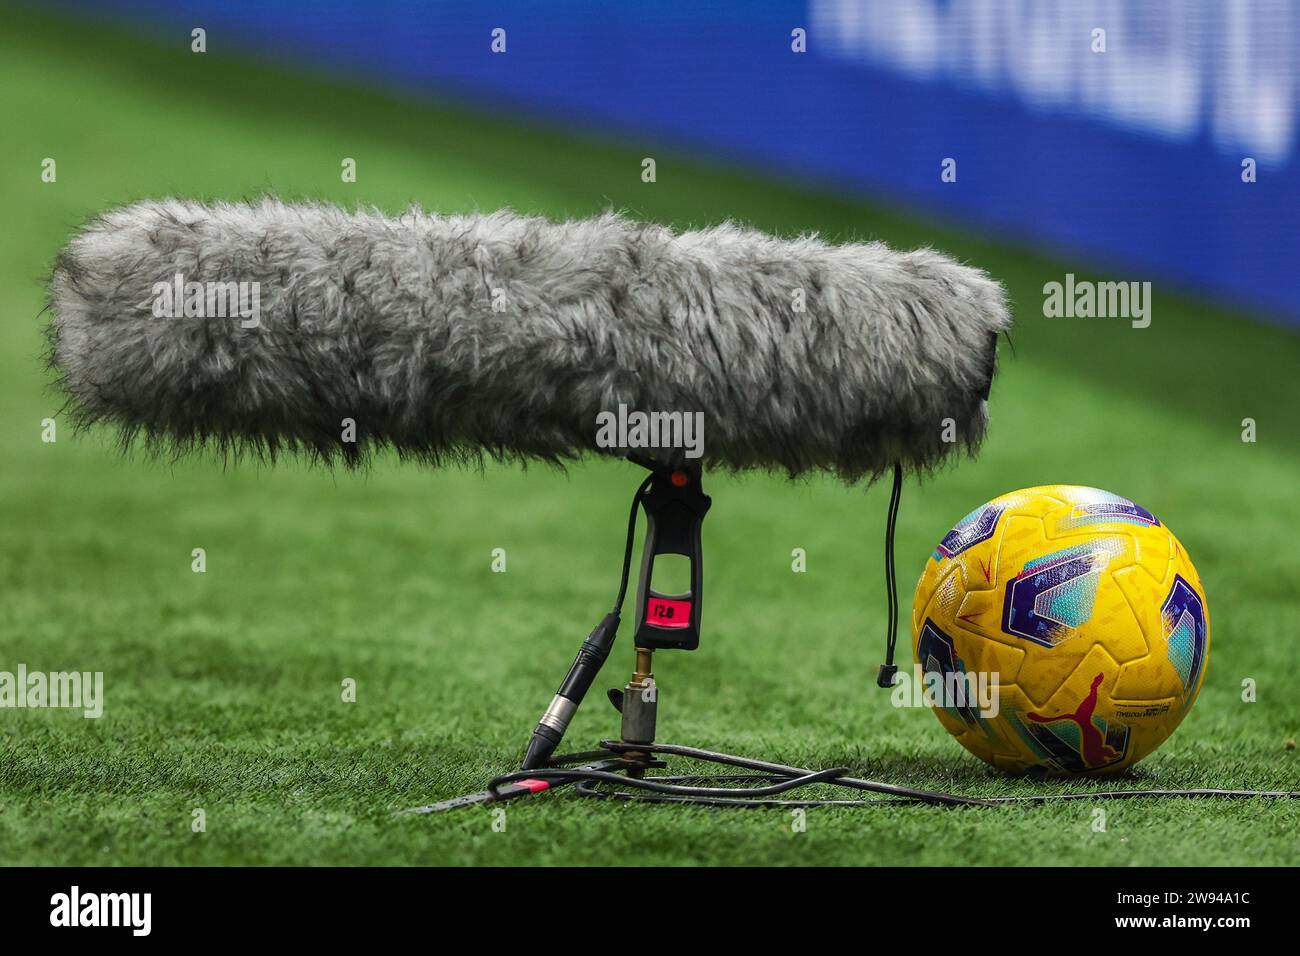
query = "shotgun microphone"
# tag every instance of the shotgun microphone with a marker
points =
(261, 327)
(269, 327)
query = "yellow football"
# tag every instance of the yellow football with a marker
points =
(1060, 630)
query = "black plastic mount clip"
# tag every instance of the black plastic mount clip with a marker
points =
(675, 505)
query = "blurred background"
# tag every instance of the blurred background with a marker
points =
(1148, 141)
(1112, 129)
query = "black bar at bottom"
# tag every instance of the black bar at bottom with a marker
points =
(337, 905)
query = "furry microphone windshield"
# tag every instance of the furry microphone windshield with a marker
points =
(270, 327)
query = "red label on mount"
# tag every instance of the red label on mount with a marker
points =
(665, 612)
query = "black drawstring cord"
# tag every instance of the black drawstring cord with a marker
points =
(889, 669)
(631, 538)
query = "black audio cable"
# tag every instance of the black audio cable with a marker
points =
(591, 657)
(768, 780)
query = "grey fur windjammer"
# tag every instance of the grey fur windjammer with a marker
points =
(451, 337)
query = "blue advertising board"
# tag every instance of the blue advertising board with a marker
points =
(1154, 138)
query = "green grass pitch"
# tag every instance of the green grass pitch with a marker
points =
(223, 689)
